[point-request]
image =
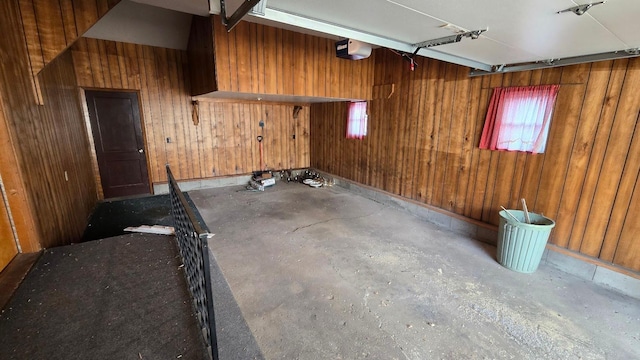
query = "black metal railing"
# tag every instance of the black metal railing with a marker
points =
(192, 242)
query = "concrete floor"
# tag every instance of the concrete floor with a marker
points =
(327, 274)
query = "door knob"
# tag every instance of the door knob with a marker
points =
(141, 151)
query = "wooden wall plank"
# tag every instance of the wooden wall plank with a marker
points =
(113, 65)
(248, 135)
(299, 64)
(97, 69)
(30, 29)
(427, 130)
(473, 207)
(122, 65)
(279, 56)
(270, 57)
(304, 137)
(255, 114)
(232, 61)
(243, 57)
(103, 6)
(177, 121)
(260, 61)
(50, 28)
(627, 251)
(454, 166)
(467, 176)
(82, 64)
(69, 21)
(150, 111)
(256, 73)
(622, 203)
(278, 150)
(319, 71)
(435, 120)
(218, 117)
(221, 51)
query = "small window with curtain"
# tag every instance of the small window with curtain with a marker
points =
(357, 120)
(518, 118)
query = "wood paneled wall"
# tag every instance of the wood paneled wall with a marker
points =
(259, 59)
(201, 56)
(52, 26)
(64, 148)
(422, 144)
(46, 141)
(231, 136)
(224, 141)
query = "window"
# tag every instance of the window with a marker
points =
(518, 118)
(357, 120)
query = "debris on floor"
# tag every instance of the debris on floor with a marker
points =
(314, 179)
(288, 175)
(313, 183)
(261, 180)
(307, 177)
(264, 179)
(155, 229)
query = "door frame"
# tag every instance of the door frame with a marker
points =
(92, 145)
(4, 203)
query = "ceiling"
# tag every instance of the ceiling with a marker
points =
(517, 31)
(136, 23)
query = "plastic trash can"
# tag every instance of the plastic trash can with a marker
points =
(521, 245)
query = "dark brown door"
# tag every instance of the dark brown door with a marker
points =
(117, 135)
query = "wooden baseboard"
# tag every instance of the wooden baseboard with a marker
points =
(11, 277)
(594, 261)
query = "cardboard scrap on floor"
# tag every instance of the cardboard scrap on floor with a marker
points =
(155, 229)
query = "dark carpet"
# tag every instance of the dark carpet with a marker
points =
(117, 298)
(110, 217)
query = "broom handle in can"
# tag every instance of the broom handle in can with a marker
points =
(510, 214)
(527, 219)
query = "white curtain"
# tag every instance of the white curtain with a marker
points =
(518, 118)
(357, 121)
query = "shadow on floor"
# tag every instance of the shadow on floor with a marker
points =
(110, 217)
